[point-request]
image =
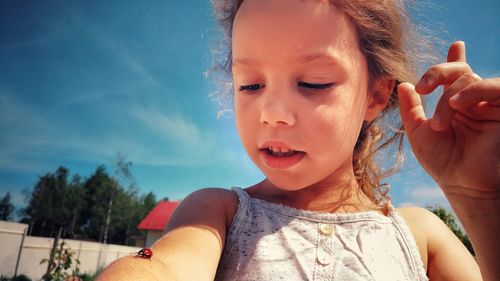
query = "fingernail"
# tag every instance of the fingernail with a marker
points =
(425, 81)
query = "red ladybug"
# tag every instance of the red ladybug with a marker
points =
(146, 253)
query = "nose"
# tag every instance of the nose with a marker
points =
(277, 112)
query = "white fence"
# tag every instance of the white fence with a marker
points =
(26, 254)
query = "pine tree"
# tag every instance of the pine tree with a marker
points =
(6, 208)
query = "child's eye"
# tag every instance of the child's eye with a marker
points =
(313, 86)
(253, 87)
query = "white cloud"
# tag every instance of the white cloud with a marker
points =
(122, 54)
(423, 196)
(406, 204)
(15, 114)
(183, 138)
(31, 139)
(171, 127)
(426, 193)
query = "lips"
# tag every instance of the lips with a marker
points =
(277, 146)
(280, 152)
(280, 155)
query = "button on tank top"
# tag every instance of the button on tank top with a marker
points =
(268, 241)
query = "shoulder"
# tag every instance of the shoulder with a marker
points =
(422, 222)
(426, 227)
(199, 222)
(418, 221)
(440, 249)
(426, 224)
(418, 217)
(218, 203)
(218, 196)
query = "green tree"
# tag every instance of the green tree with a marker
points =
(125, 200)
(450, 220)
(143, 206)
(129, 207)
(75, 199)
(100, 207)
(113, 211)
(97, 193)
(6, 208)
(148, 203)
(52, 203)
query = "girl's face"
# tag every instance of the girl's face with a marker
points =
(301, 90)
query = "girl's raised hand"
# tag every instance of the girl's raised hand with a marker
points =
(460, 145)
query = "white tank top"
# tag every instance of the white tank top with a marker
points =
(268, 241)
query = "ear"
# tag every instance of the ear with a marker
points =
(378, 97)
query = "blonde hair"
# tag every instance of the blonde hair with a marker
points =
(387, 37)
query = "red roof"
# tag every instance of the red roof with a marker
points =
(158, 217)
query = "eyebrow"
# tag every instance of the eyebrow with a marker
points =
(331, 60)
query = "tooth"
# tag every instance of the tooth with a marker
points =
(284, 150)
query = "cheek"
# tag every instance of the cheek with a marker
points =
(339, 126)
(239, 109)
(339, 116)
(241, 123)
(244, 119)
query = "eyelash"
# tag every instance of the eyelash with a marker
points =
(311, 86)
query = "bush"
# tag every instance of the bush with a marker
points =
(89, 276)
(64, 265)
(21, 277)
(86, 277)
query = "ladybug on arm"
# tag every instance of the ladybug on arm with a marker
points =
(145, 253)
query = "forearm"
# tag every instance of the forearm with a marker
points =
(479, 214)
(190, 250)
(136, 269)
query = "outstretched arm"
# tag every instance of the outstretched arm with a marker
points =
(192, 247)
(460, 148)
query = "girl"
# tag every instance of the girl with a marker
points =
(312, 79)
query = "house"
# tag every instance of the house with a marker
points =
(154, 223)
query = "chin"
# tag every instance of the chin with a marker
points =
(286, 183)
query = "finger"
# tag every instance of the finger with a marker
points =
(410, 107)
(485, 90)
(483, 111)
(456, 52)
(441, 74)
(444, 113)
(474, 125)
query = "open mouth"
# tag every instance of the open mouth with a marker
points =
(280, 152)
(280, 157)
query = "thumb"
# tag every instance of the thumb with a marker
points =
(410, 107)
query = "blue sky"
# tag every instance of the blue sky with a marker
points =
(81, 81)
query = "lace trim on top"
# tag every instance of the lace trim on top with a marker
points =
(393, 217)
(318, 216)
